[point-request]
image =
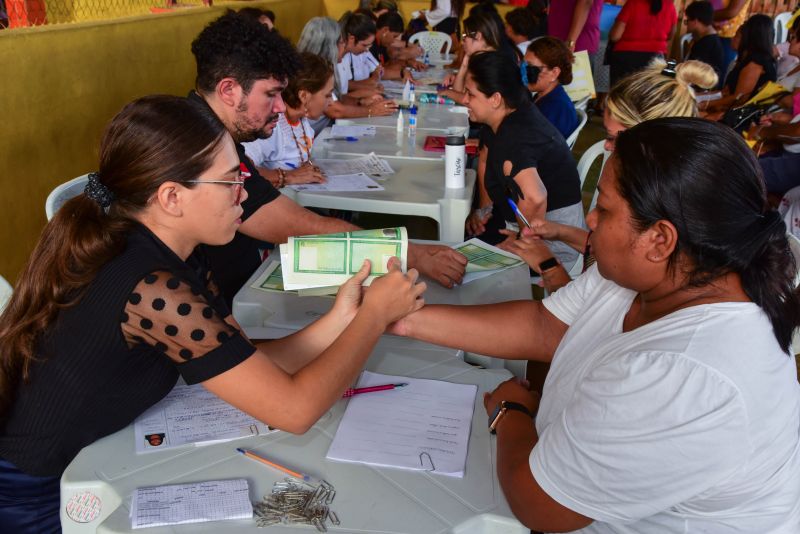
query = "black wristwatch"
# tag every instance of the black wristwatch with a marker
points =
(549, 263)
(501, 410)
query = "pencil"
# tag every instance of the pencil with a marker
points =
(259, 458)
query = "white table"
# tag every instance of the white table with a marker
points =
(368, 499)
(417, 188)
(434, 117)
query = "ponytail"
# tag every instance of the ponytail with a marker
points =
(655, 7)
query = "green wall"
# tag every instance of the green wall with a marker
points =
(60, 85)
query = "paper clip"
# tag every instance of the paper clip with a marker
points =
(422, 464)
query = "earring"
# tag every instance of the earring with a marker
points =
(306, 110)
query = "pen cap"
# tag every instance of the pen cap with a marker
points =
(455, 161)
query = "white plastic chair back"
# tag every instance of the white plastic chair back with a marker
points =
(582, 103)
(686, 38)
(794, 244)
(62, 193)
(432, 42)
(582, 118)
(585, 163)
(781, 24)
(5, 293)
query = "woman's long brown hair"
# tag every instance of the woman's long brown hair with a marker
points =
(151, 141)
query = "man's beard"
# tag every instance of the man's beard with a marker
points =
(244, 133)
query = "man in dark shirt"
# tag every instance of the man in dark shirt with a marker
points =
(242, 68)
(706, 44)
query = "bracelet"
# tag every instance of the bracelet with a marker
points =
(369, 111)
(281, 178)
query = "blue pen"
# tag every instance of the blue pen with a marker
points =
(519, 213)
(291, 165)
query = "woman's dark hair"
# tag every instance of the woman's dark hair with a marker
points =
(523, 22)
(391, 20)
(151, 141)
(702, 177)
(655, 6)
(358, 25)
(256, 13)
(757, 34)
(312, 77)
(495, 72)
(554, 53)
(485, 24)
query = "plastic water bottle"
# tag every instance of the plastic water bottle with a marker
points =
(411, 96)
(400, 121)
(426, 59)
(412, 121)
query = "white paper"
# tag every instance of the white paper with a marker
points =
(192, 415)
(191, 503)
(342, 183)
(476, 269)
(370, 164)
(708, 97)
(424, 426)
(352, 130)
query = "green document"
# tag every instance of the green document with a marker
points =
(484, 259)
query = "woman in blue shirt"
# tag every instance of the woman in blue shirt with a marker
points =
(549, 66)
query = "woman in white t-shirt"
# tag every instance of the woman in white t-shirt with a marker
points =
(284, 158)
(672, 404)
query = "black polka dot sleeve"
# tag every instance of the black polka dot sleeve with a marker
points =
(164, 313)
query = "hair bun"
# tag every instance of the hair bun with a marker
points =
(697, 73)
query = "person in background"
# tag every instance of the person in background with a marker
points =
(790, 79)
(358, 67)
(777, 138)
(241, 70)
(672, 403)
(755, 66)
(443, 16)
(655, 92)
(728, 18)
(522, 157)
(262, 16)
(117, 302)
(577, 23)
(539, 9)
(549, 69)
(642, 31)
(706, 45)
(390, 50)
(322, 36)
(284, 158)
(521, 27)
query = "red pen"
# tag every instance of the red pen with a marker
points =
(349, 392)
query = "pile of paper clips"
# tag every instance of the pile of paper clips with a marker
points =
(294, 501)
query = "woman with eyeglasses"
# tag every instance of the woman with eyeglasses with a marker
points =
(672, 402)
(660, 90)
(522, 157)
(548, 67)
(284, 158)
(116, 303)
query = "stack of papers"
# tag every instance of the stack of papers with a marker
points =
(484, 259)
(352, 130)
(424, 426)
(342, 183)
(191, 503)
(329, 260)
(369, 164)
(192, 415)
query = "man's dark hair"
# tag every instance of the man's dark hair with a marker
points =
(701, 11)
(238, 47)
(523, 22)
(256, 13)
(391, 20)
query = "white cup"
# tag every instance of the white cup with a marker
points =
(455, 161)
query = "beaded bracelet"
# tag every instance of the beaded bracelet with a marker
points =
(281, 178)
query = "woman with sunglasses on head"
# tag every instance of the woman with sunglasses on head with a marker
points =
(522, 157)
(116, 303)
(284, 158)
(660, 90)
(672, 402)
(548, 68)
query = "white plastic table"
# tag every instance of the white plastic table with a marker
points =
(417, 188)
(368, 499)
(441, 118)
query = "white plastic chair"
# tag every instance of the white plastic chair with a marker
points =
(582, 103)
(585, 163)
(781, 24)
(5, 293)
(432, 42)
(794, 245)
(62, 193)
(686, 38)
(573, 137)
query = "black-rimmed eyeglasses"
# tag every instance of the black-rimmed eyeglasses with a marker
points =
(238, 185)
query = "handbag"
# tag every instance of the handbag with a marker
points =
(740, 119)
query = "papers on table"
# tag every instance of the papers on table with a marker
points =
(369, 164)
(424, 426)
(352, 130)
(342, 183)
(331, 259)
(192, 415)
(484, 259)
(191, 503)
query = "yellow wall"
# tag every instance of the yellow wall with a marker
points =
(336, 8)
(61, 84)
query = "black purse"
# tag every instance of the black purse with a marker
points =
(740, 119)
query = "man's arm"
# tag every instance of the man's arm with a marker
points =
(579, 17)
(733, 9)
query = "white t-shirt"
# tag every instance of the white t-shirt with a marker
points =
(687, 424)
(357, 67)
(523, 46)
(287, 148)
(344, 76)
(443, 10)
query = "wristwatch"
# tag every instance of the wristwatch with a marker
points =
(549, 263)
(501, 410)
(571, 44)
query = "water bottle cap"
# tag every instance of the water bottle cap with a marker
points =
(413, 110)
(455, 140)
